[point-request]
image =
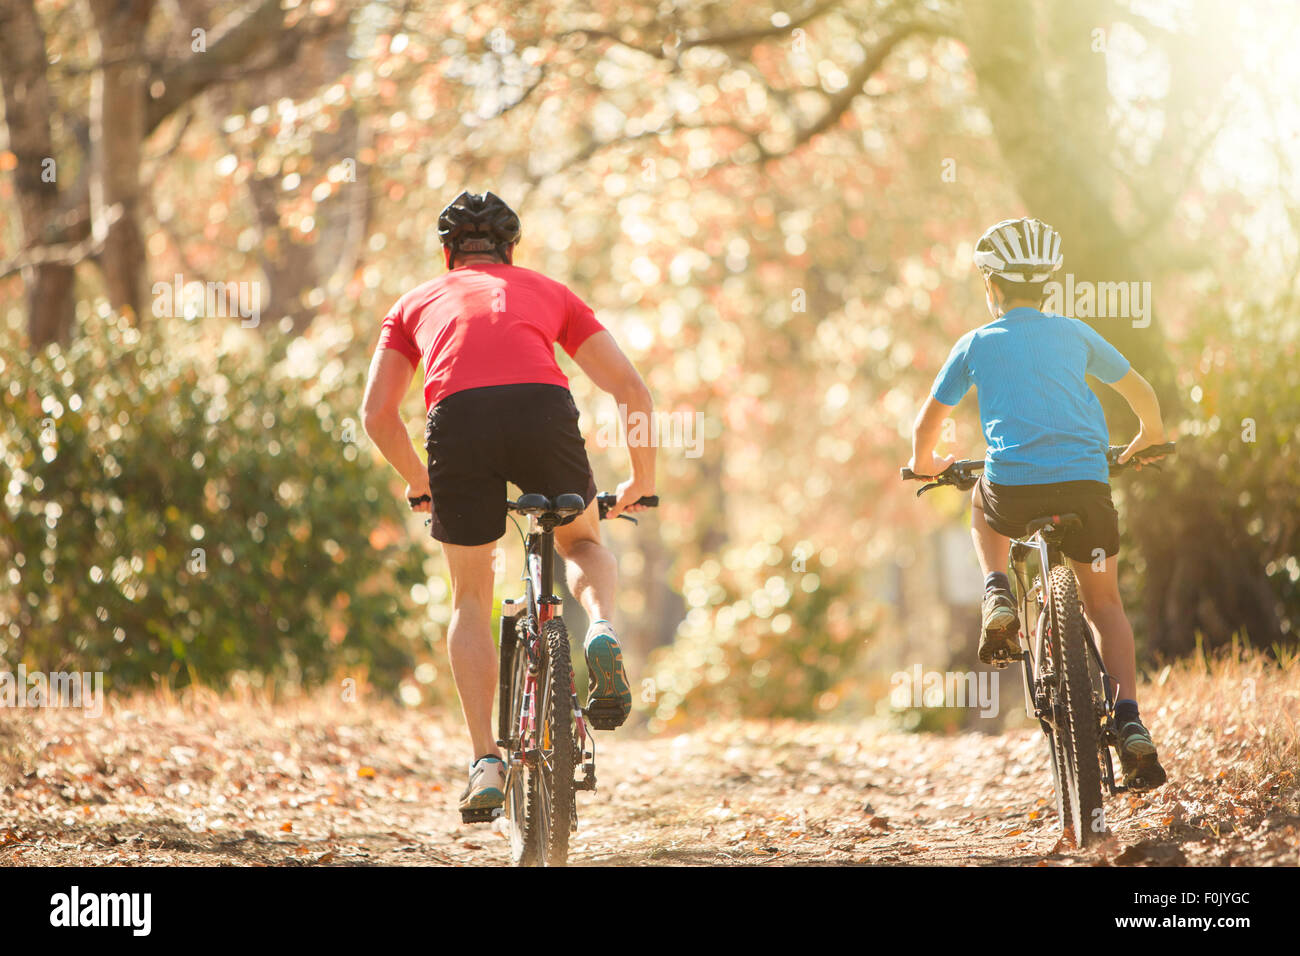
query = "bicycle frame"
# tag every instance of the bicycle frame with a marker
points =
(545, 745)
(541, 605)
(1042, 683)
(1038, 680)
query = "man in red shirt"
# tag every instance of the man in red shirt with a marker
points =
(499, 409)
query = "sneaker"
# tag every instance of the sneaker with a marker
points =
(609, 696)
(487, 785)
(998, 642)
(1138, 759)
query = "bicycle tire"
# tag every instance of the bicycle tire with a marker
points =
(551, 791)
(1076, 721)
(519, 810)
(1098, 680)
(1055, 744)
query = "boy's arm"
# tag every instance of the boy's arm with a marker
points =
(925, 435)
(1141, 397)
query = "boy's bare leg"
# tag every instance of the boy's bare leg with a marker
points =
(1000, 623)
(990, 547)
(1099, 590)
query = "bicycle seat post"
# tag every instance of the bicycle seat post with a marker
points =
(546, 552)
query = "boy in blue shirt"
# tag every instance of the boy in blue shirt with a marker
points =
(1047, 442)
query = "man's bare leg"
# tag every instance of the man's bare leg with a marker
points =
(593, 579)
(591, 568)
(469, 641)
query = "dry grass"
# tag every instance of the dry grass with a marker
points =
(1229, 724)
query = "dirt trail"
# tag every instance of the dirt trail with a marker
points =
(242, 785)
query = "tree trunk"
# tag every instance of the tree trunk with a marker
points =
(28, 107)
(119, 125)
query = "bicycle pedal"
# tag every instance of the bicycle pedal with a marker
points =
(1003, 661)
(605, 713)
(481, 814)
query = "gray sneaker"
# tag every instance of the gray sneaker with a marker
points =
(998, 642)
(1138, 758)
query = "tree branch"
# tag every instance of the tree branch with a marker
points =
(755, 34)
(237, 39)
(62, 254)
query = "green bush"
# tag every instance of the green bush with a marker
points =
(765, 636)
(172, 510)
(1217, 535)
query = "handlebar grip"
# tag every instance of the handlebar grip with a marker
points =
(1165, 448)
(420, 500)
(907, 474)
(606, 500)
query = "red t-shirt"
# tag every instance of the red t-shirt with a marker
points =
(487, 324)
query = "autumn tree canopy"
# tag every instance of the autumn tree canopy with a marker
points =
(773, 209)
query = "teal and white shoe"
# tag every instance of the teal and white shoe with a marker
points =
(609, 696)
(487, 785)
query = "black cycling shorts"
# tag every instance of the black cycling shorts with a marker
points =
(1008, 508)
(480, 438)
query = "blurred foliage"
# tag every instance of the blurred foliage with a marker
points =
(175, 509)
(1238, 458)
(771, 632)
(778, 249)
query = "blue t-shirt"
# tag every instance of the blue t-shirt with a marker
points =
(1041, 421)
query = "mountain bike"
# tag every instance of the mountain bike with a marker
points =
(544, 733)
(1067, 688)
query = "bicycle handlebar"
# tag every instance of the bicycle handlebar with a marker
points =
(1141, 457)
(963, 474)
(605, 501)
(608, 499)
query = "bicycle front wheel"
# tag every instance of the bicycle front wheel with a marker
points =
(551, 808)
(1076, 717)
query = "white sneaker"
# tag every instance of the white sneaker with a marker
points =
(487, 785)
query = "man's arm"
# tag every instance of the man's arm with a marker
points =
(1141, 397)
(925, 435)
(606, 365)
(390, 377)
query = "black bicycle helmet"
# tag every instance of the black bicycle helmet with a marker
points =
(478, 223)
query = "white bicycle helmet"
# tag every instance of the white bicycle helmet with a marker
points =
(1019, 250)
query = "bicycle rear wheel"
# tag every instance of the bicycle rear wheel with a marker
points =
(1076, 740)
(519, 819)
(1055, 746)
(550, 777)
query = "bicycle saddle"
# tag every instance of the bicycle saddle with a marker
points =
(1060, 524)
(533, 504)
(562, 505)
(565, 505)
